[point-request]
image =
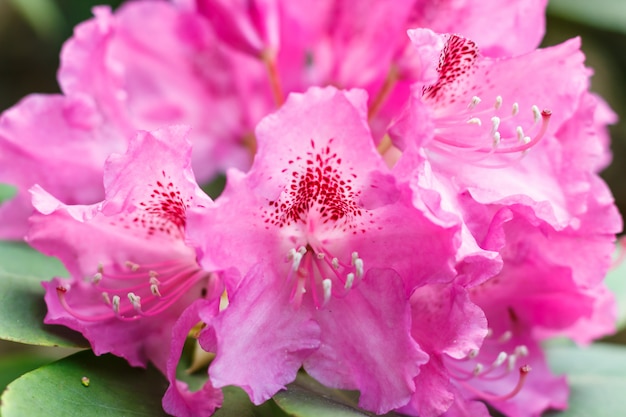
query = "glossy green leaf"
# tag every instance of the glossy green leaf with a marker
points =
(6, 192)
(22, 307)
(113, 389)
(308, 398)
(597, 378)
(604, 14)
(14, 365)
(616, 281)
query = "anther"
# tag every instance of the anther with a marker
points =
(335, 263)
(496, 139)
(495, 124)
(473, 353)
(506, 336)
(478, 369)
(115, 303)
(358, 265)
(536, 114)
(475, 101)
(475, 121)
(498, 102)
(349, 281)
(100, 268)
(512, 360)
(500, 359)
(132, 266)
(153, 275)
(320, 255)
(521, 350)
(154, 289)
(515, 109)
(106, 298)
(135, 300)
(520, 133)
(97, 277)
(327, 284)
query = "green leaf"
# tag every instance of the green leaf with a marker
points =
(604, 14)
(597, 378)
(616, 281)
(114, 389)
(15, 365)
(308, 398)
(6, 192)
(22, 307)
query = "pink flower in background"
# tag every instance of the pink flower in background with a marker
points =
(328, 247)
(147, 66)
(131, 272)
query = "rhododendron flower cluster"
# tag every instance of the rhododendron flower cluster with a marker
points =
(412, 202)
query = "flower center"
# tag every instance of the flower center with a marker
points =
(322, 273)
(134, 291)
(479, 367)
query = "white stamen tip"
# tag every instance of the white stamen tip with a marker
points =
(489, 332)
(506, 336)
(154, 289)
(358, 265)
(115, 302)
(100, 269)
(335, 263)
(327, 284)
(520, 133)
(475, 121)
(495, 124)
(355, 256)
(526, 140)
(515, 109)
(475, 101)
(536, 114)
(135, 300)
(511, 362)
(498, 102)
(105, 297)
(478, 369)
(320, 255)
(500, 359)
(296, 257)
(154, 281)
(496, 139)
(153, 274)
(349, 281)
(473, 353)
(97, 277)
(132, 266)
(521, 350)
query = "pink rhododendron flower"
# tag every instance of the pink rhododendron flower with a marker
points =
(520, 192)
(329, 247)
(146, 66)
(131, 272)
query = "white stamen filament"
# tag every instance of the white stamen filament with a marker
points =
(536, 114)
(116, 304)
(327, 284)
(498, 102)
(500, 359)
(506, 336)
(135, 300)
(475, 101)
(349, 281)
